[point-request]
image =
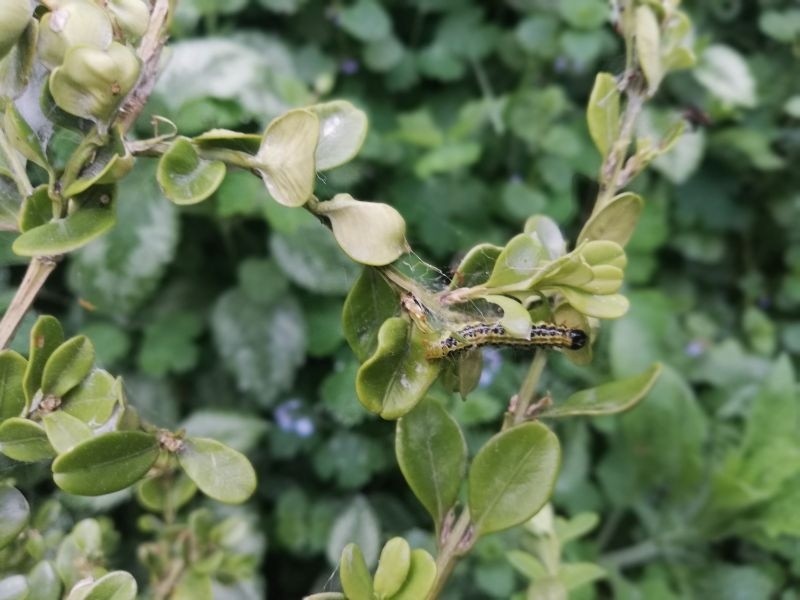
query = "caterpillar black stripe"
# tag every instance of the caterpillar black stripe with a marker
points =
(542, 335)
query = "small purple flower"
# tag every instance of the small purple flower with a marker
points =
(695, 348)
(289, 418)
(492, 361)
(349, 66)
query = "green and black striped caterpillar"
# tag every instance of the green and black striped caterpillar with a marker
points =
(542, 335)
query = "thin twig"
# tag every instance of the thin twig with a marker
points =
(150, 54)
(38, 271)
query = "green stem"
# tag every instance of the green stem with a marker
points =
(528, 390)
(450, 551)
(17, 168)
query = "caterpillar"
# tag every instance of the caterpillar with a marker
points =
(542, 334)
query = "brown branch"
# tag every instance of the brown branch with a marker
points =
(38, 271)
(150, 54)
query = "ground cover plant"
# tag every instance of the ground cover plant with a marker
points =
(207, 287)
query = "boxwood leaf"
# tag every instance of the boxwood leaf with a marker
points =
(648, 46)
(106, 463)
(356, 523)
(371, 233)
(65, 431)
(24, 440)
(394, 379)
(606, 399)
(37, 209)
(602, 307)
(46, 336)
(370, 302)
(432, 455)
(117, 585)
(93, 400)
(44, 582)
(474, 267)
(110, 164)
(117, 272)
(517, 262)
(60, 236)
(69, 364)
(287, 157)
(616, 221)
(14, 587)
(421, 576)
(220, 472)
(602, 112)
(22, 137)
(10, 201)
(92, 82)
(165, 492)
(354, 575)
(512, 477)
(311, 258)
(261, 346)
(14, 514)
(343, 128)
(12, 394)
(393, 566)
(186, 178)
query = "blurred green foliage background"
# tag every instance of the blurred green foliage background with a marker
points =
(225, 316)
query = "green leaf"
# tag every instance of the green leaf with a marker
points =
(220, 472)
(601, 307)
(44, 582)
(117, 585)
(46, 335)
(356, 523)
(602, 113)
(473, 268)
(93, 400)
(193, 586)
(512, 477)
(432, 455)
(186, 178)
(371, 233)
(421, 576)
(22, 137)
(68, 365)
(37, 209)
(343, 128)
(606, 399)
(393, 568)
(576, 575)
(724, 73)
(12, 393)
(16, 16)
(366, 20)
(14, 514)
(516, 319)
(65, 431)
(354, 575)
(10, 201)
(59, 236)
(615, 221)
(105, 464)
(24, 440)
(170, 344)
(311, 258)
(287, 156)
(648, 47)
(118, 272)
(14, 587)
(370, 302)
(528, 565)
(518, 261)
(584, 14)
(261, 346)
(394, 379)
(166, 492)
(92, 82)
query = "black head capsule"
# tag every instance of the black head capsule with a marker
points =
(578, 339)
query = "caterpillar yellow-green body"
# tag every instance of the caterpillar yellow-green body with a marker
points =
(542, 335)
